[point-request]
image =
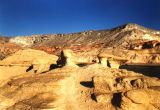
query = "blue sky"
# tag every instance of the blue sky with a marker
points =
(27, 17)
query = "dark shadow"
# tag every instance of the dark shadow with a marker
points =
(62, 60)
(147, 45)
(53, 66)
(132, 82)
(118, 80)
(116, 100)
(30, 68)
(152, 71)
(88, 84)
(93, 97)
(158, 44)
(82, 64)
(108, 64)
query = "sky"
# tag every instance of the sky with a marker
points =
(27, 17)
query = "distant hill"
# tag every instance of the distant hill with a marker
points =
(119, 36)
(122, 37)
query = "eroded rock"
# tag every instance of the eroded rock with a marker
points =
(71, 58)
(108, 59)
(131, 93)
(24, 61)
(143, 99)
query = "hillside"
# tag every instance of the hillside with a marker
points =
(123, 37)
(114, 37)
(116, 69)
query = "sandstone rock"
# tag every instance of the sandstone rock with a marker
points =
(83, 84)
(32, 92)
(104, 98)
(70, 88)
(11, 71)
(69, 57)
(110, 60)
(104, 84)
(5, 102)
(28, 57)
(138, 96)
(133, 92)
(25, 60)
(145, 44)
(141, 99)
(127, 104)
(72, 58)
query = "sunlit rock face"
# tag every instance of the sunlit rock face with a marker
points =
(23, 41)
(123, 37)
(82, 71)
(69, 88)
(24, 61)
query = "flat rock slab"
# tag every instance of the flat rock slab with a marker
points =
(29, 57)
(24, 61)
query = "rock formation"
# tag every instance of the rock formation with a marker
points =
(24, 61)
(82, 71)
(109, 60)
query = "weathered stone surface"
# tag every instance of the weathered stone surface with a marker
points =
(142, 99)
(121, 84)
(133, 93)
(138, 96)
(24, 61)
(28, 57)
(104, 98)
(86, 83)
(7, 49)
(127, 104)
(32, 92)
(11, 71)
(72, 58)
(108, 59)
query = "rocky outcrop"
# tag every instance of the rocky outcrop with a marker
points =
(81, 71)
(110, 60)
(7, 49)
(122, 84)
(141, 99)
(125, 37)
(71, 58)
(130, 92)
(29, 92)
(72, 87)
(145, 45)
(26, 60)
(117, 57)
(26, 41)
